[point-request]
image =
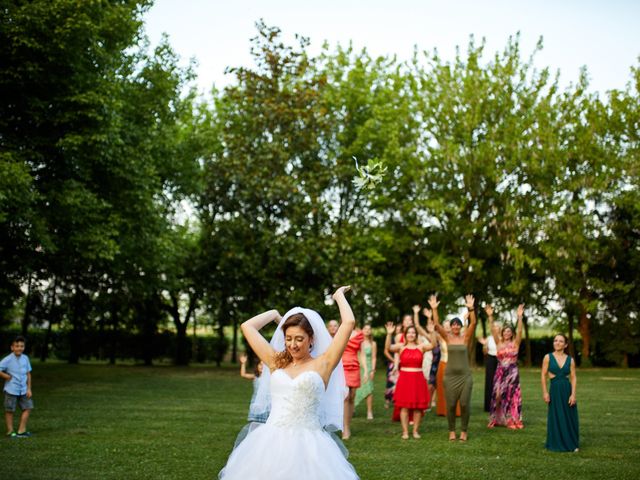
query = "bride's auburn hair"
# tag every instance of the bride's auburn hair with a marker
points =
(283, 359)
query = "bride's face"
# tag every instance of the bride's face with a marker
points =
(297, 342)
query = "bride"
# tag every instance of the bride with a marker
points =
(304, 392)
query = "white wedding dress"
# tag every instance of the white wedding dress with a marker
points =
(292, 444)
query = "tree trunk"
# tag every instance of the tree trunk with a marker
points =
(113, 336)
(584, 327)
(194, 344)
(75, 338)
(182, 345)
(572, 347)
(26, 318)
(234, 347)
(44, 354)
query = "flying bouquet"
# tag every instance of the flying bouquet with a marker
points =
(369, 175)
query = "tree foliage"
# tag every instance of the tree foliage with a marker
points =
(498, 182)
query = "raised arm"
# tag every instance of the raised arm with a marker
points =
(470, 333)
(243, 368)
(426, 347)
(416, 322)
(493, 328)
(396, 347)
(543, 378)
(251, 331)
(386, 351)
(433, 303)
(347, 323)
(520, 324)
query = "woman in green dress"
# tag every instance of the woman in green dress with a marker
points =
(458, 381)
(562, 418)
(367, 371)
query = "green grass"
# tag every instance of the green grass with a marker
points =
(128, 422)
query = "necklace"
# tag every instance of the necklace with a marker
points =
(295, 364)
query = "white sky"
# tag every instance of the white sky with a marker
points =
(604, 35)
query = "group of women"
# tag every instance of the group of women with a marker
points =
(447, 372)
(312, 376)
(450, 375)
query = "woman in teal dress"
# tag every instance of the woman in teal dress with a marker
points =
(562, 418)
(367, 371)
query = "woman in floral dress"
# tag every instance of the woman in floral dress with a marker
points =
(506, 398)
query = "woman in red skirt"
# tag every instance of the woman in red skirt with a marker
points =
(412, 393)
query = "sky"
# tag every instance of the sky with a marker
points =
(602, 35)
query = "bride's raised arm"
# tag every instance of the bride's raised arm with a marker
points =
(347, 323)
(251, 331)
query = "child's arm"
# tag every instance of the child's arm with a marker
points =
(29, 394)
(243, 368)
(4, 375)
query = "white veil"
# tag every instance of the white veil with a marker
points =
(332, 405)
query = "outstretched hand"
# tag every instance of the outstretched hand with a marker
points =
(488, 308)
(520, 310)
(391, 328)
(416, 308)
(341, 291)
(433, 302)
(427, 312)
(469, 301)
(243, 359)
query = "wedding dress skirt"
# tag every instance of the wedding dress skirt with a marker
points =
(292, 444)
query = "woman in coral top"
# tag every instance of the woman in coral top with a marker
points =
(352, 357)
(412, 393)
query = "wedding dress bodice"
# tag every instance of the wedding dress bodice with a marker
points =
(295, 402)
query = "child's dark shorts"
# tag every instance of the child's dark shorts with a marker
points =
(10, 402)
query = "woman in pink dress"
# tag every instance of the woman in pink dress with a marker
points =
(506, 399)
(351, 358)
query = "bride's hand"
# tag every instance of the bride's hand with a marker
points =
(341, 291)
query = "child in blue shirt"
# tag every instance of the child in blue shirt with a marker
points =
(15, 368)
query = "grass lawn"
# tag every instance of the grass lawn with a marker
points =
(128, 422)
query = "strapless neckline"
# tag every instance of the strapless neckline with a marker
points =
(293, 379)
